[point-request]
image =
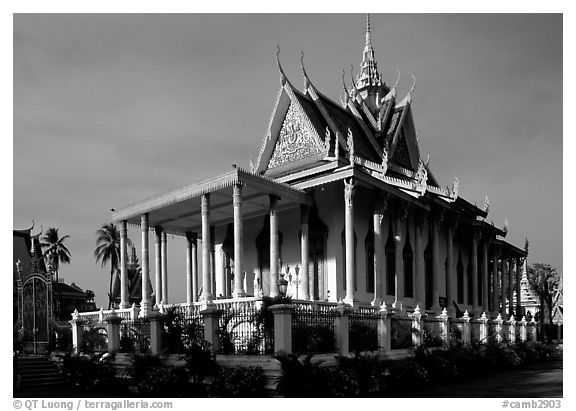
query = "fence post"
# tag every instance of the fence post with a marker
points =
(134, 312)
(282, 327)
(523, 336)
(155, 319)
(483, 328)
(77, 330)
(101, 315)
(466, 331)
(417, 327)
(499, 322)
(210, 316)
(534, 330)
(512, 329)
(384, 329)
(342, 328)
(444, 325)
(113, 331)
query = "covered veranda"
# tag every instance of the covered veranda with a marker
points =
(193, 212)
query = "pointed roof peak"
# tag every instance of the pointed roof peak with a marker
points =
(368, 31)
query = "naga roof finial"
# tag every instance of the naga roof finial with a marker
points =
(283, 78)
(486, 205)
(397, 78)
(306, 79)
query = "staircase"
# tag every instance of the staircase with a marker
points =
(40, 376)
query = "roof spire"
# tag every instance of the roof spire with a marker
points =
(368, 34)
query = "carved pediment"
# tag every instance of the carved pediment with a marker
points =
(295, 140)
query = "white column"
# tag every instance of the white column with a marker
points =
(124, 293)
(518, 290)
(238, 243)
(164, 268)
(504, 284)
(274, 257)
(474, 261)
(349, 238)
(145, 302)
(399, 240)
(206, 283)
(495, 289)
(450, 276)
(219, 271)
(436, 264)
(510, 286)
(419, 264)
(485, 277)
(191, 285)
(304, 254)
(158, 249)
(377, 217)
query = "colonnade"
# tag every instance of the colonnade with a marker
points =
(483, 278)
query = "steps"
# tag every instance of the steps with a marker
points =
(39, 375)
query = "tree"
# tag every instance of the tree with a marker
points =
(108, 251)
(544, 281)
(54, 253)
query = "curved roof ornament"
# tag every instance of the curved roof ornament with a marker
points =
(354, 91)
(39, 234)
(397, 78)
(307, 81)
(427, 160)
(486, 205)
(283, 78)
(506, 226)
(411, 92)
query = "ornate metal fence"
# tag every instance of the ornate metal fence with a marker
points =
(247, 330)
(475, 330)
(363, 332)
(135, 336)
(313, 329)
(432, 331)
(455, 329)
(401, 332)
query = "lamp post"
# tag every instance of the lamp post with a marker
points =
(282, 285)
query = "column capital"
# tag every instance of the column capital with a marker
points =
(123, 228)
(158, 230)
(205, 204)
(349, 187)
(237, 194)
(144, 222)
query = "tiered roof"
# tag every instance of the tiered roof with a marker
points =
(371, 131)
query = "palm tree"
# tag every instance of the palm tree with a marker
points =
(108, 251)
(55, 252)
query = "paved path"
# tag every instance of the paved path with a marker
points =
(542, 380)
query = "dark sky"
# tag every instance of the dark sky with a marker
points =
(111, 109)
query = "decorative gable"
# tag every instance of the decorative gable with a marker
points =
(295, 141)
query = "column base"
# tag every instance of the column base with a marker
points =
(398, 306)
(451, 311)
(145, 309)
(436, 309)
(239, 294)
(123, 306)
(350, 301)
(376, 302)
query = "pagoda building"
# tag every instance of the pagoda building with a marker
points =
(338, 202)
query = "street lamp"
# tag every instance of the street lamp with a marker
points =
(282, 285)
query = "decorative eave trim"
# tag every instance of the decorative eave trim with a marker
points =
(228, 179)
(268, 133)
(369, 115)
(398, 128)
(442, 192)
(365, 129)
(314, 95)
(383, 116)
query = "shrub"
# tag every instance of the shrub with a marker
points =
(307, 339)
(127, 344)
(364, 375)
(407, 374)
(163, 381)
(302, 378)
(93, 340)
(239, 382)
(363, 338)
(93, 374)
(200, 362)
